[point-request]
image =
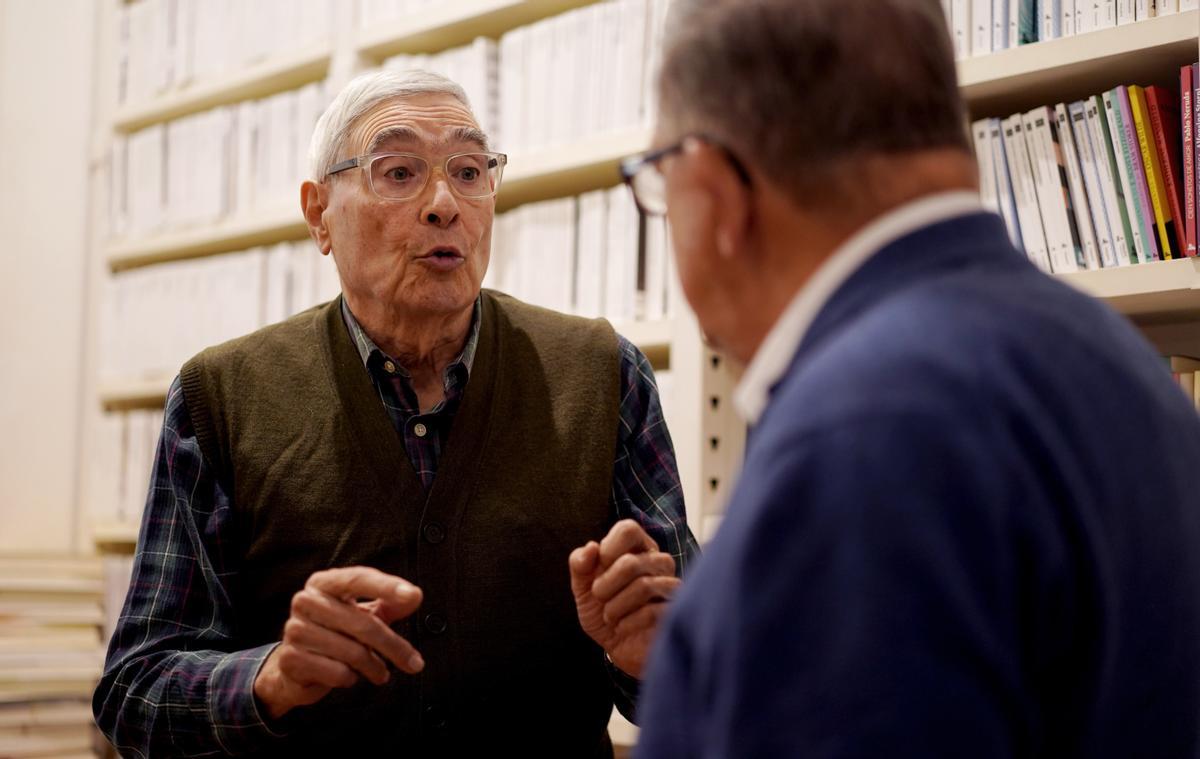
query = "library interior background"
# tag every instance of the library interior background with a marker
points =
(152, 153)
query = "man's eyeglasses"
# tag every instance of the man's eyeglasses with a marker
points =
(645, 180)
(403, 176)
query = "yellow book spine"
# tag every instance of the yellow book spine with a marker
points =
(1154, 172)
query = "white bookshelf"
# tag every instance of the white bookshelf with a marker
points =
(267, 77)
(560, 171)
(1074, 67)
(449, 24)
(1155, 292)
(123, 395)
(569, 169)
(279, 224)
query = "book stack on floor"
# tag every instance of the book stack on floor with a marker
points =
(981, 27)
(51, 653)
(1104, 182)
(1186, 371)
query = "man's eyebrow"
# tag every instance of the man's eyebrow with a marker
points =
(403, 133)
(471, 134)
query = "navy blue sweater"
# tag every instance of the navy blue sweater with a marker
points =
(967, 526)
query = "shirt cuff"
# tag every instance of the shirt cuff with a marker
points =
(238, 723)
(625, 689)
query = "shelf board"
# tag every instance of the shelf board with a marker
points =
(653, 338)
(134, 394)
(238, 233)
(1155, 292)
(447, 25)
(1071, 68)
(569, 169)
(118, 537)
(267, 77)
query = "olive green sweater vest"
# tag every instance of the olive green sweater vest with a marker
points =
(318, 478)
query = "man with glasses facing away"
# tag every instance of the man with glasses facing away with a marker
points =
(423, 519)
(966, 525)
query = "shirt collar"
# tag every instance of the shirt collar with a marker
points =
(775, 354)
(367, 349)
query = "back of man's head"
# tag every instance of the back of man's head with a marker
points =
(809, 92)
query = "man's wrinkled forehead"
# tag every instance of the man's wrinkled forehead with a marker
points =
(420, 122)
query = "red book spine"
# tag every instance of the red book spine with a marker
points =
(1164, 123)
(1186, 86)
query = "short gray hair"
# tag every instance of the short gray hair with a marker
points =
(357, 98)
(804, 89)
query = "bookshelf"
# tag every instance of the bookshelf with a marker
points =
(1150, 293)
(1075, 67)
(267, 77)
(280, 224)
(568, 169)
(447, 25)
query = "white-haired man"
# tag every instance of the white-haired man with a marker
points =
(415, 444)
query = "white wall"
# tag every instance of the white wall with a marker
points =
(46, 85)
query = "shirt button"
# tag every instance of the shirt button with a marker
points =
(433, 533)
(420, 430)
(389, 367)
(435, 623)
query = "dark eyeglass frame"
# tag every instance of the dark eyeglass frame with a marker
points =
(650, 160)
(494, 160)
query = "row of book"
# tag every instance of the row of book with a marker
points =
(586, 72)
(1103, 182)
(225, 162)
(119, 468)
(155, 318)
(474, 67)
(166, 45)
(374, 12)
(980, 27)
(591, 256)
(1186, 371)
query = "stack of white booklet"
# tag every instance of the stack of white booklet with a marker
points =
(167, 45)
(590, 256)
(230, 161)
(980, 27)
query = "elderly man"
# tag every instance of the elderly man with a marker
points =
(358, 533)
(966, 524)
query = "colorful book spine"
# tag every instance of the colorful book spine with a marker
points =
(1189, 158)
(1137, 174)
(1023, 22)
(1195, 148)
(1111, 169)
(1163, 107)
(1163, 221)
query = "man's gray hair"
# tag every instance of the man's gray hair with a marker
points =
(804, 89)
(357, 98)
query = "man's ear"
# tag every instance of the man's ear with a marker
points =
(731, 207)
(314, 198)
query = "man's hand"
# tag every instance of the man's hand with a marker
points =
(620, 586)
(332, 638)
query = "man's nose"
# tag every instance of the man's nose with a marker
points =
(440, 207)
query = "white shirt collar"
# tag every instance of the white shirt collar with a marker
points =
(775, 354)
